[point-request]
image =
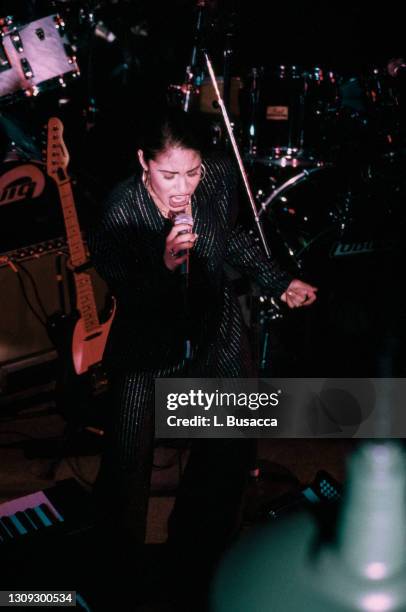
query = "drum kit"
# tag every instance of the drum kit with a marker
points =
(325, 157)
(325, 154)
(328, 171)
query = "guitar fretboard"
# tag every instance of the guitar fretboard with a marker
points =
(75, 242)
(86, 303)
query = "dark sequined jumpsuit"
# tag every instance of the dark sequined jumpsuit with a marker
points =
(147, 340)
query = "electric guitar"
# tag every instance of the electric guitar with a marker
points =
(89, 333)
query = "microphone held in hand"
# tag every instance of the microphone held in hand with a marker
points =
(178, 219)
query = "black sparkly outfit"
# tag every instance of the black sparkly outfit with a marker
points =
(147, 340)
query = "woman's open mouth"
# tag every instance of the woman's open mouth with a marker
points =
(179, 201)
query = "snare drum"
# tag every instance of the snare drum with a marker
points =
(35, 57)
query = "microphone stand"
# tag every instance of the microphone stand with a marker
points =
(273, 311)
(237, 156)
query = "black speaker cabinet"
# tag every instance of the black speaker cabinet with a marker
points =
(24, 341)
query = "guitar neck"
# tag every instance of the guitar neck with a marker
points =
(85, 301)
(76, 245)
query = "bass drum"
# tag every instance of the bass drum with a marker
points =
(323, 220)
(342, 232)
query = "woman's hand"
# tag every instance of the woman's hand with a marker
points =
(180, 238)
(299, 294)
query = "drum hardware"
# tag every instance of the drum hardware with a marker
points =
(261, 202)
(289, 158)
(253, 120)
(197, 92)
(216, 132)
(229, 82)
(4, 63)
(371, 113)
(286, 186)
(190, 87)
(379, 90)
(264, 310)
(16, 40)
(27, 70)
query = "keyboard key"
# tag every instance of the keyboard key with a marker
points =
(34, 518)
(18, 525)
(45, 516)
(25, 522)
(55, 519)
(8, 523)
(4, 532)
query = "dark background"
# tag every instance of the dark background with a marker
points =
(153, 46)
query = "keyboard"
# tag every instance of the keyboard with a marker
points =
(60, 510)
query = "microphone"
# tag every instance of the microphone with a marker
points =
(178, 219)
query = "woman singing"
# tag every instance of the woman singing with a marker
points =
(174, 323)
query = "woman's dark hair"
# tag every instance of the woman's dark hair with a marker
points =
(171, 128)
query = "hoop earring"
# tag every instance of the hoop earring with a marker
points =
(145, 177)
(203, 172)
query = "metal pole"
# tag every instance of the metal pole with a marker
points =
(237, 155)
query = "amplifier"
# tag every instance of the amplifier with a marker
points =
(21, 332)
(34, 251)
(30, 209)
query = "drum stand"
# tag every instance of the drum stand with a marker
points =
(263, 317)
(192, 80)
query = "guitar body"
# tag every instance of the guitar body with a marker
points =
(80, 398)
(88, 348)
